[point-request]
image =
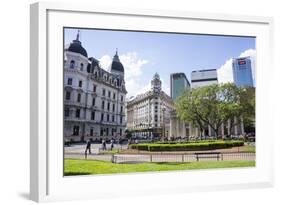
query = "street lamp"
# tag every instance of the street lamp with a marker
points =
(163, 135)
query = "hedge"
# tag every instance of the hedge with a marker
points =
(187, 146)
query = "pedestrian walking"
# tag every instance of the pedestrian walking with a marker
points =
(88, 148)
(103, 144)
(111, 144)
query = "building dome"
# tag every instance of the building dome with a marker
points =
(116, 64)
(76, 47)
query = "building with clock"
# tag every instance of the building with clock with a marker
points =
(148, 114)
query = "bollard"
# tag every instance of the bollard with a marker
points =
(151, 158)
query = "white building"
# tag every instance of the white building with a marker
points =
(94, 99)
(201, 78)
(148, 114)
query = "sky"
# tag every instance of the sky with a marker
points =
(145, 53)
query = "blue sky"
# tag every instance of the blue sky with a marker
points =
(144, 53)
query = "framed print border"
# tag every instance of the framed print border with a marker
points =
(42, 150)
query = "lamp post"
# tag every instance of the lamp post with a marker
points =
(163, 135)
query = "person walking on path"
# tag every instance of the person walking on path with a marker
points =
(103, 144)
(88, 148)
(111, 144)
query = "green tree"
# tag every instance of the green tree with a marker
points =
(215, 104)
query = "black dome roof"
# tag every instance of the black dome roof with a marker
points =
(76, 47)
(116, 64)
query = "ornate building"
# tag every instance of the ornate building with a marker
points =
(94, 99)
(148, 114)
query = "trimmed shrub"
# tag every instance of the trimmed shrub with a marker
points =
(187, 146)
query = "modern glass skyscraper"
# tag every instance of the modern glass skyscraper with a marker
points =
(242, 72)
(178, 83)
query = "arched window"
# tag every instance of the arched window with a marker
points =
(81, 66)
(72, 64)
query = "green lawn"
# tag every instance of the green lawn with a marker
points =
(249, 148)
(86, 167)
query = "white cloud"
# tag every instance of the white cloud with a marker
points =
(225, 74)
(105, 62)
(225, 71)
(133, 66)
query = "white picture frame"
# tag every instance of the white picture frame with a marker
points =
(46, 141)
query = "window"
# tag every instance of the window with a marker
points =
(78, 97)
(94, 102)
(94, 88)
(72, 64)
(112, 118)
(103, 92)
(109, 94)
(113, 107)
(67, 95)
(93, 115)
(75, 130)
(120, 132)
(66, 112)
(121, 119)
(77, 114)
(91, 132)
(80, 83)
(114, 96)
(121, 110)
(81, 66)
(102, 116)
(107, 118)
(102, 105)
(69, 81)
(107, 131)
(108, 106)
(121, 98)
(101, 131)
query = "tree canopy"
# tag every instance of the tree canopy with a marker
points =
(215, 104)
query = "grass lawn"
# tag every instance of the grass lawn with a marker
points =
(86, 167)
(249, 148)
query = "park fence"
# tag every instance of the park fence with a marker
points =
(182, 158)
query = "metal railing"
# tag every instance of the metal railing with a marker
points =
(181, 158)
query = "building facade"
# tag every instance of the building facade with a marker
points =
(148, 114)
(201, 78)
(242, 72)
(178, 83)
(94, 99)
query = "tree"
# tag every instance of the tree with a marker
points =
(215, 104)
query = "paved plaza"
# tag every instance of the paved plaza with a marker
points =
(78, 152)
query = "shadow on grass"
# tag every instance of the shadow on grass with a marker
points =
(76, 173)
